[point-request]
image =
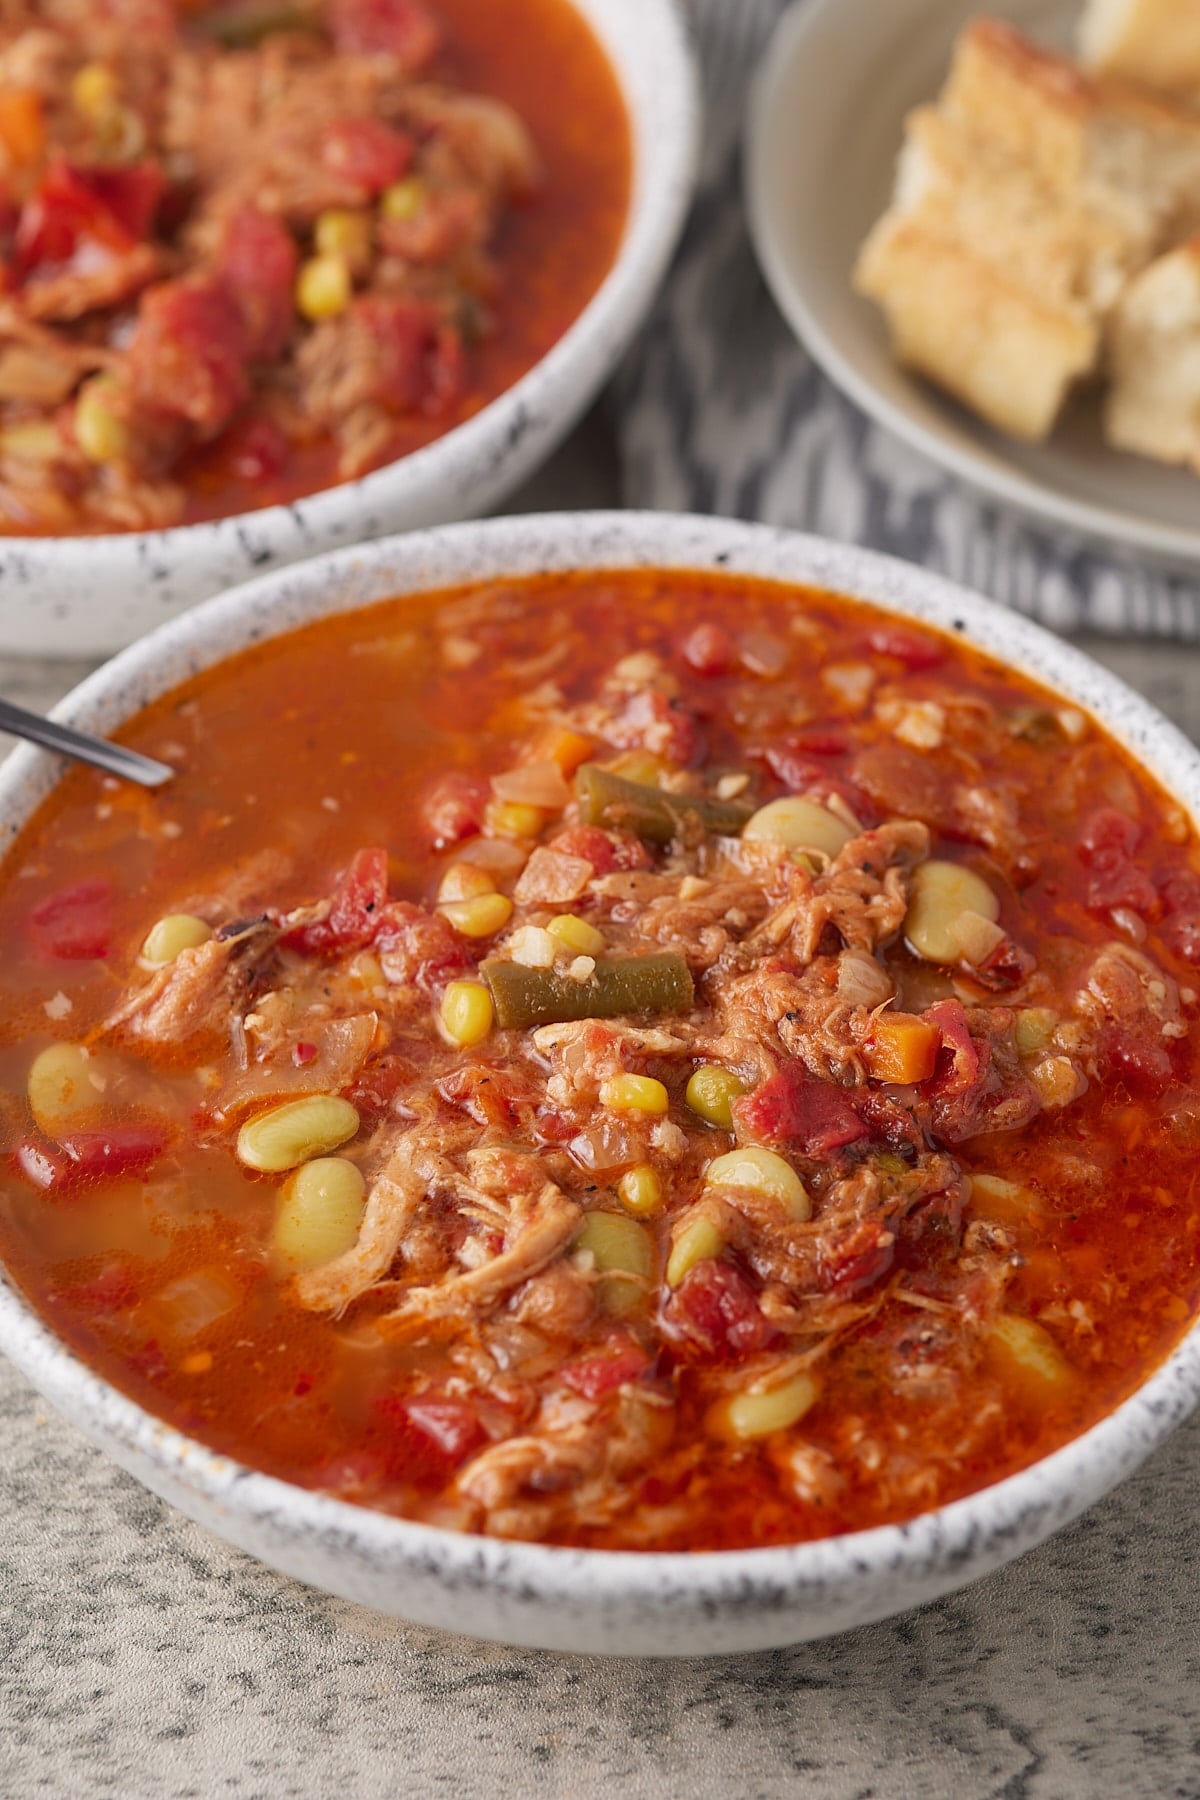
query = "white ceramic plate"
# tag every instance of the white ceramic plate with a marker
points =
(824, 128)
(588, 1600)
(87, 596)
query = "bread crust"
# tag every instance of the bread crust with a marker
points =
(1153, 404)
(1153, 41)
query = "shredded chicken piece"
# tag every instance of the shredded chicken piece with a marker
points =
(199, 990)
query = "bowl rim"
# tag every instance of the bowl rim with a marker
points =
(664, 164)
(948, 1544)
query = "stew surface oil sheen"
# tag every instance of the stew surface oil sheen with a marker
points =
(634, 1060)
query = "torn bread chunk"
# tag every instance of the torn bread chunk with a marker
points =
(1107, 144)
(954, 319)
(1153, 405)
(1155, 41)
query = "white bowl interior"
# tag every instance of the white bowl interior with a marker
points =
(92, 595)
(530, 1594)
(833, 93)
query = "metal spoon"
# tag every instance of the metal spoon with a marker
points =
(129, 764)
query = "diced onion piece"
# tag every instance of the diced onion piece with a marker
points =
(65, 1083)
(466, 1012)
(941, 892)
(540, 784)
(319, 1213)
(634, 1093)
(759, 1413)
(977, 937)
(296, 1132)
(711, 1092)
(695, 1242)
(533, 948)
(622, 1252)
(994, 1197)
(798, 824)
(761, 1171)
(1029, 1351)
(577, 934)
(171, 935)
(640, 1189)
(481, 917)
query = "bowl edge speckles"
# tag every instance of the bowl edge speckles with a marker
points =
(89, 596)
(530, 1594)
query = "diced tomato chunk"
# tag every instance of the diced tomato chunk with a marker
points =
(716, 1309)
(254, 449)
(366, 152)
(257, 267)
(427, 1435)
(605, 850)
(76, 923)
(909, 647)
(821, 740)
(710, 650)
(188, 355)
(419, 366)
(109, 209)
(791, 1107)
(421, 946)
(376, 1088)
(1144, 1062)
(453, 809)
(962, 1059)
(1181, 902)
(355, 911)
(452, 1426)
(405, 29)
(1106, 848)
(595, 1376)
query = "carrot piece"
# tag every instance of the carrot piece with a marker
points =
(567, 748)
(22, 129)
(901, 1047)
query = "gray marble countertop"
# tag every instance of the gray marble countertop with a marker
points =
(141, 1659)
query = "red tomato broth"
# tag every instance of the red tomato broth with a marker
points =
(367, 711)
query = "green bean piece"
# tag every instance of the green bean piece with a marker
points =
(241, 27)
(641, 986)
(650, 812)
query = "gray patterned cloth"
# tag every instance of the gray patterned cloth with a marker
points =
(721, 411)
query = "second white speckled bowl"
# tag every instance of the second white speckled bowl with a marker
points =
(533, 1594)
(88, 596)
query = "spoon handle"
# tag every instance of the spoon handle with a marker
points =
(67, 742)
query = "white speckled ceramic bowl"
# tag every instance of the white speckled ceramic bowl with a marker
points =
(532, 1594)
(88, 596)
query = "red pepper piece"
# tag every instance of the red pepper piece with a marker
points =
(76, 922)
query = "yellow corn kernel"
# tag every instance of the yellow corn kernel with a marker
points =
(100, 434)
(404, 199)
(296, 1132)
(94, 90)
(1029, 1351)
(941, 893)
(65, 1082)
(577, 934)
(760, 1413)
(697, 1241)
(640, 1189)
(481, 917)
(622, 1252)
(638, 765)
(711, 1092)
(175, 932)
(761, 1171)
(323, 287)
(464, 881)
(799, 824)
(467, 1013)
(319, 1213)
(634, 1093)
(511, 819)
(340, 231)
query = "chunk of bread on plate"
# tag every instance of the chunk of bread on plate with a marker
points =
(1153, 405)
(1155, 41)
(1109, 144)
(993, 286)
